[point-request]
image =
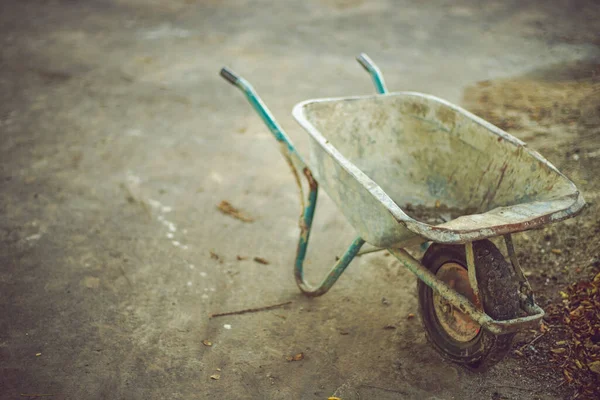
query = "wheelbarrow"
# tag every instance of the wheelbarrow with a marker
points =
(382, 158)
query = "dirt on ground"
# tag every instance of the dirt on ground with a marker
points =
(557, 112)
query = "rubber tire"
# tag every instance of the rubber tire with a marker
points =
(499, 292)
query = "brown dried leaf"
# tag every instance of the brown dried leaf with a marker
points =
(577, 312)
(207, 343)
(296, 357)
(564, 295)
(215, 377)
(261, 260)
(594, 367)
(568, 376)
(580, 315)
(226, 208)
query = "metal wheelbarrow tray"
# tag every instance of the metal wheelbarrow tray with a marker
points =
(379, 156)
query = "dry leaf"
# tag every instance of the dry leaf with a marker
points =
(558, 351)
(594, 367)
(297, 357)
(261, 260)
(564, 295)
(226, 208)
(568, 376)
(207, 343)
(216, 377)
(556, 251)
(577, 312)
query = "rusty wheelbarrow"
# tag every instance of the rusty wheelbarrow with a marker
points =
(385, 158)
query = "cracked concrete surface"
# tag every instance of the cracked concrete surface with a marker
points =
(118, 141)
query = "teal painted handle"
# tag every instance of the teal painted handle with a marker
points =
(229, 75)
(374, 71)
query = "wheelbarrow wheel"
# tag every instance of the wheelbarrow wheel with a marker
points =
(454, 334)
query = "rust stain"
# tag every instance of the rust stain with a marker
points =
(491, 193)
(499, 230)
(452, 174)
(312, 183)
(483, 174)
(296, 178)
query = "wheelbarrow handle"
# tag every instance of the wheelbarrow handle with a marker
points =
(229, 76)
(298, 167)
(263, 112)
(374, 71)
(365, 62)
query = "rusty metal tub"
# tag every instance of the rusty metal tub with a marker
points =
(375, 154)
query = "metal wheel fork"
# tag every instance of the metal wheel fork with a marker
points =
(525, 291)
(458, 324)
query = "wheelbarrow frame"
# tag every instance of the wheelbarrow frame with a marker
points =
(308, 204)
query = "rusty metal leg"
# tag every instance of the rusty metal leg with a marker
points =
(333, 274)
(526, 293)
(471, 270)
(305, 225)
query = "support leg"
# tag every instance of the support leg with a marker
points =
(332, 276)
(305, 225)
(527, 299)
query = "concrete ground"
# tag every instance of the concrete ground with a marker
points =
(118, 140)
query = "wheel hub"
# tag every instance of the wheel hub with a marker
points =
(458, 325)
